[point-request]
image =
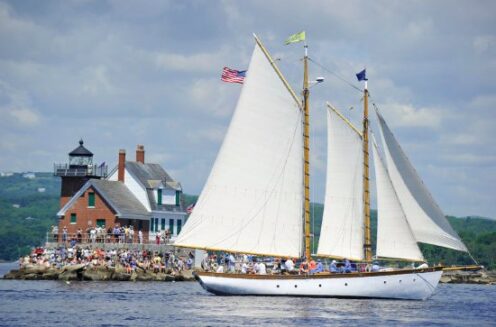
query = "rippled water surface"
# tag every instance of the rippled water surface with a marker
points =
(56, 303)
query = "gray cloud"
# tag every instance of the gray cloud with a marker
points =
(119, 73)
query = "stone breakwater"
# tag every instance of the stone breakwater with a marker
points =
(84, 272)
(469, 277)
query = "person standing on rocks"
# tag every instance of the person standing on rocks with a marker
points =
(64, 235)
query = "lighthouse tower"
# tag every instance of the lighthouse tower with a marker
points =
(77, 172)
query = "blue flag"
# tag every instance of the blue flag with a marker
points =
(362, 76)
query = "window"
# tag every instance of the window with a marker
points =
(178, 197)
(159, 196)
(162, 223)
(91, 200)
(171, 226)
(100, 222)
(140, 224)
(179, 225)
(73, 218)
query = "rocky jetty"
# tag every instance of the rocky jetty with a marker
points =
(469, 277)
(84, 272)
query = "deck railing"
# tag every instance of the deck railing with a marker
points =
(70, 170)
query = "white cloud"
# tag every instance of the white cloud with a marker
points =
(484, 43)
(97, 81)
(25, 116)
(406, 115)
(212, 96)
(196, 63)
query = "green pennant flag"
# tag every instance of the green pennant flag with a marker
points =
(298, 37)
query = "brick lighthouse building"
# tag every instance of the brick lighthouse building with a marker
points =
(133, 193)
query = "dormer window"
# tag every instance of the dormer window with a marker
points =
(159, 196)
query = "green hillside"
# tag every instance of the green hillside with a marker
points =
(24, 227)
(25, 213)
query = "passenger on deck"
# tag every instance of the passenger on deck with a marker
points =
(312, 265)
(423, 265)
(375, 267)
(318, 268)
(333, 268)
(244, 268)
(303, 267)
(261, 269)
(289, 265)
(347, 266)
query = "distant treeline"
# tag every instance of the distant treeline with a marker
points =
(27, 214)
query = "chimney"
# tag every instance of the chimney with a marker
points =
(140, 153)
(122, 164)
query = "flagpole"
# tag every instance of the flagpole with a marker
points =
(306, 151)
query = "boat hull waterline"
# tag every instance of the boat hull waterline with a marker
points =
(414, 284)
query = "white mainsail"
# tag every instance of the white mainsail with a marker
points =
(253, 199)
(342, 230)
(394, 236)
(426, 220)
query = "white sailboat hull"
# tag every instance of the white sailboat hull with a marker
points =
(400, 284)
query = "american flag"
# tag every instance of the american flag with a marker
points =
(190, 208)
(233, 76)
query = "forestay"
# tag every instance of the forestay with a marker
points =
(424, 216)
(394, 237)
(342, 230)
(253, 199)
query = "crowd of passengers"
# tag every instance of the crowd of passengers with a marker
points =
(130, 260)
(247, 264)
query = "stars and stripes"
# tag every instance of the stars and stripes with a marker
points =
(233, 76)
(190, 208)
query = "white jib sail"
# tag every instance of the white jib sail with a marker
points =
(342, 233)
(253, 199)
(427, 221)
(394, 236)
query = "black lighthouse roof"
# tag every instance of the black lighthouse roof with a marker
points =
(81, 151)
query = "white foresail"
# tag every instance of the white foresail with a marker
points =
(253, 199)
(342, 232)
(424, 216)
(394, 236)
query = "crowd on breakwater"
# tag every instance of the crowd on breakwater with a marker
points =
(86, 263)
(130, 260)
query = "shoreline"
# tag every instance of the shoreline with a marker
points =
(81, 272)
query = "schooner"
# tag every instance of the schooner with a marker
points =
(257, 198)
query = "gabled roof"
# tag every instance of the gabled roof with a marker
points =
(116, 195)
(81, 151)
(148, 174)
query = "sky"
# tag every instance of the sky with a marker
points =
(122, 73)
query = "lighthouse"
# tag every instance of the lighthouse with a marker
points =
(77, 172)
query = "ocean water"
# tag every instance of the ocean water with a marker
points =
(57, 303)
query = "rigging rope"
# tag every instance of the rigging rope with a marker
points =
(336, 75)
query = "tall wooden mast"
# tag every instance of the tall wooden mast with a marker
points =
(366, 189)
(306, 151)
